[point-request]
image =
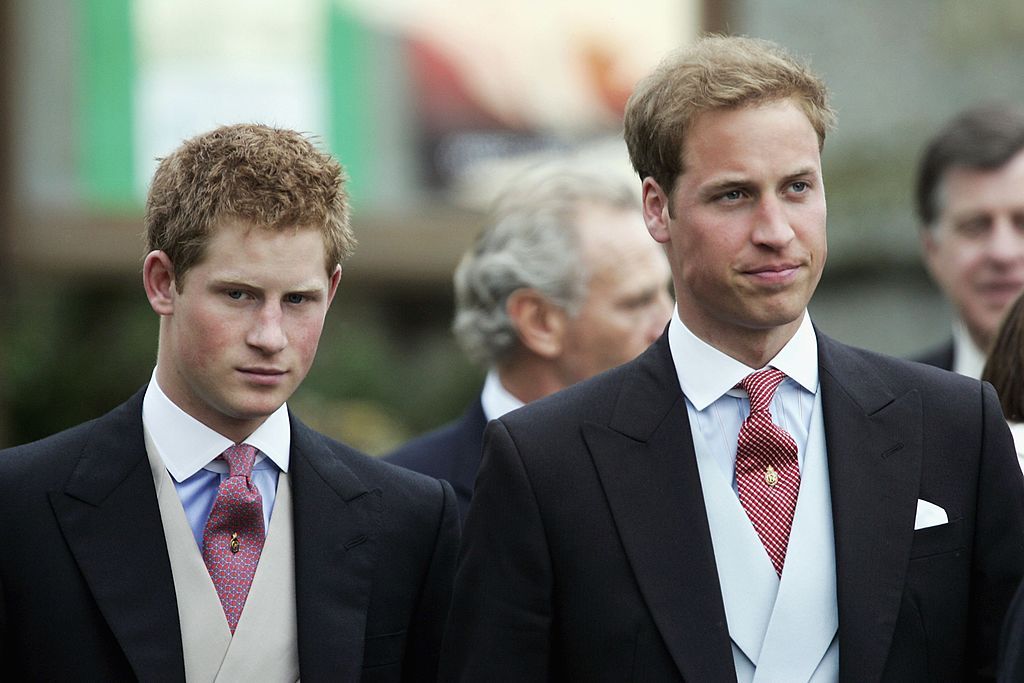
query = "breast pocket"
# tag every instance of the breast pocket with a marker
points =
(938, 540)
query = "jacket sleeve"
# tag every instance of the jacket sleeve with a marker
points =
(500, 623)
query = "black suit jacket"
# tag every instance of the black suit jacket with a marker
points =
(939, 357)
(587, 553)
(1011, 649)
(451, 453)
(86, 591)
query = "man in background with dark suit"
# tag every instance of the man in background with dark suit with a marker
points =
(748, 499)
(970, 203)
(200, 531)
(563, 284)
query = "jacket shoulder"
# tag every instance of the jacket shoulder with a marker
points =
(52, 458)
(403, 488)
(939, 356)
(431, 452)
(856, 367)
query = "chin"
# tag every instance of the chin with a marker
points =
(257, 409)
(770, 320)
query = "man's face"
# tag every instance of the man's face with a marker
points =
(627, 304)
(242, 333)
(745, 225)
(975, 249)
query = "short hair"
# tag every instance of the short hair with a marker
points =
(272, 177)
(530, 242)
(983, 138)
(1004, 367)
(716, 72)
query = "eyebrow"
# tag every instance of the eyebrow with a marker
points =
(302, 288)
(742, 181)
(722, 185)
(802, 173)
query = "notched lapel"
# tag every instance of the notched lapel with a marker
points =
(874, 445)
(109, 515)
(337, 527)
(649, 475)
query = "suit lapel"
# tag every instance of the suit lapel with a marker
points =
(645, 459)
(109, 515)
(874, 454)
(337, 524)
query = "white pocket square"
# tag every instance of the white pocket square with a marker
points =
(929, 514)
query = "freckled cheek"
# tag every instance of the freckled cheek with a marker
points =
(208, 352)
(304, 340)
(212, 338)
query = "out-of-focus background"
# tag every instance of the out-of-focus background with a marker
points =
(430, 104)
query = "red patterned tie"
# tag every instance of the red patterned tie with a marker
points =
(767, 470)
(234, 534)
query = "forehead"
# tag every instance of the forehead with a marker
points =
(966, 190)
(245, 250)
(755, 133)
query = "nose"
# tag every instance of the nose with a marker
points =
(1007, 242)
(771, 228)
(267, 332)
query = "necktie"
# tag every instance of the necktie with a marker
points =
(767, 470)
(234, 534)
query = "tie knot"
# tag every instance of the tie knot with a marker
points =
(761, 386)
(240, 460)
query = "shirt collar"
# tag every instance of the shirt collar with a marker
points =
(706, 374)
(186, 445)
(968, 359)
(495, 398)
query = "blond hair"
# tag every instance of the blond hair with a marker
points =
(716, 72)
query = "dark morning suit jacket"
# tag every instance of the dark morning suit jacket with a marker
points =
(940, 356)
(86, 591)
(451, 452)
(587, 553)
(1011, 649)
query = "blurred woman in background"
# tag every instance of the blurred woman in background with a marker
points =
(1005, 370)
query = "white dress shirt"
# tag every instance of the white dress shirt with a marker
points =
(189, 450)
(968, 359)
(495, 398)
(708, 379)
(1017, 431)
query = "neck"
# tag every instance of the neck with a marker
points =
(529, 378)
(754, 348)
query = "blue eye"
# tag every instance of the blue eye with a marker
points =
(800, 186)
(235, 294)
(295, 298)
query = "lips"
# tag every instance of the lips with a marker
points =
(263, 371)
(998, 286)
(773, 272)
(1000, 292)
(782, 267)
(263, 375)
